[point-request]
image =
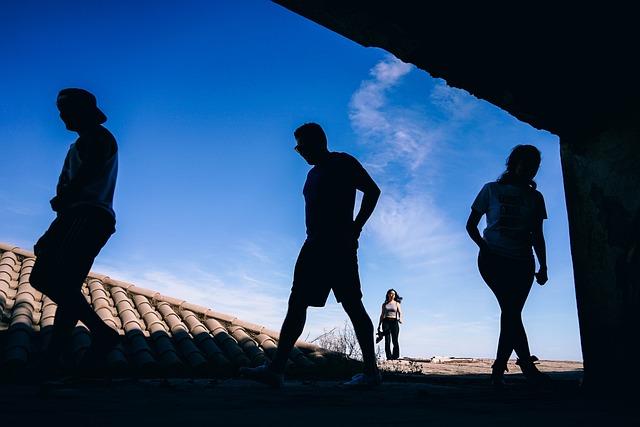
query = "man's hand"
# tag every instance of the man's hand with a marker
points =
(59, 203)
(66, 194)
(353, 234)
(355, 231)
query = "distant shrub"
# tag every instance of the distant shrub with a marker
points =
(342, 340)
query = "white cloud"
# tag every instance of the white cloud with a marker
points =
(391, 135)
(246, 298)
(458, 104)
(400, 145)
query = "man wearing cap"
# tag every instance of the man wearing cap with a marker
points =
(84, 221)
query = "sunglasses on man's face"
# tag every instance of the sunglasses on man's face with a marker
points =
(300, 149)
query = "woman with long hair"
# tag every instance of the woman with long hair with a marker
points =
(389, 324)
(514, 211)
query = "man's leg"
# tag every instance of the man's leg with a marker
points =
(291, 330)
(63, 325)
(50, 363)
(272, 374)
(363, 327)
(103, 337)
(305, 291)
(67, 259)
(62, 283)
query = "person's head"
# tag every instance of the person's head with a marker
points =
(311, 142)
(78, 109)
(522, 165)
(392, 295)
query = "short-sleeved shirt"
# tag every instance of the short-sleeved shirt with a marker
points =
(328, 260)
(100, 190)
(330, 195)
(511, 214)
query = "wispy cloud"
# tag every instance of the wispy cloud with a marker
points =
(247, 281)
(245, 298)
(456, 103)
(392, 133)
(13, 203)
(400, 144)
(244, 290)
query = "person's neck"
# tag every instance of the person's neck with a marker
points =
(518, 182)
(86, 129)
(322, 157)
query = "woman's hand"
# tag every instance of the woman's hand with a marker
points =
(541, 276)
(485, 250)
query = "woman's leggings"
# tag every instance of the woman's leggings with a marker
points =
(391, 328)
(510, 280)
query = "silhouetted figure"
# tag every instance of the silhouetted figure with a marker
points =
(389, 324)
(514, 212)
(84, 222)
(328, 259)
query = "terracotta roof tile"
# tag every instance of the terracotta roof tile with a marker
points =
(163, 335)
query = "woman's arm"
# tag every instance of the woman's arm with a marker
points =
(399, 312)
(540, 248)
(474, 233)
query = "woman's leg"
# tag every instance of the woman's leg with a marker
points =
(510, 281)
(387, 339)
(395, 332)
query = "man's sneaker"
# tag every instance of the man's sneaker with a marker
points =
(94, 359)
(364, 381)
(47, 368)
(264, 375)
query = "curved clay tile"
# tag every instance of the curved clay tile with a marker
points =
(249, 346)
(204, 340)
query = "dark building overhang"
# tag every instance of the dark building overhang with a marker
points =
(567, 70)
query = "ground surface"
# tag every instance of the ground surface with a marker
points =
(454, 392)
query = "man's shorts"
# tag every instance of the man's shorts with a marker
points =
(322, 267)
(66, 251)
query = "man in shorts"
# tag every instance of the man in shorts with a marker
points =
(84, 221)
(328, 259)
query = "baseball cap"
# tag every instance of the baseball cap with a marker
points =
(81, 99)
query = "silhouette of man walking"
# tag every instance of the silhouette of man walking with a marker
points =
(84, 221)
(328, 258)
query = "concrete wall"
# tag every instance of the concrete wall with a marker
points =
(602, 187)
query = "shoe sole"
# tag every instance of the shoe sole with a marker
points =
(250, 375)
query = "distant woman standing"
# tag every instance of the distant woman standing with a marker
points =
(390, 320)
(514, 212)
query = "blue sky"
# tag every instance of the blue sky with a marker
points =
(203, 98)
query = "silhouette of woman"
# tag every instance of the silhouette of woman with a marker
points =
(514, 212)
(389, 324)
